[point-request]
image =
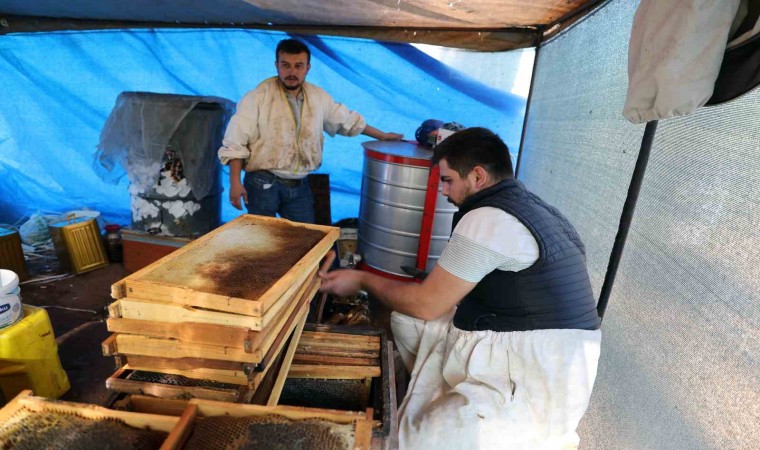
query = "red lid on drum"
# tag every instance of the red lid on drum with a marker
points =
(399, 152)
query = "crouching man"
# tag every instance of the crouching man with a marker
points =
(502, 338)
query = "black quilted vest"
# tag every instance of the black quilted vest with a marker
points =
(555, 292)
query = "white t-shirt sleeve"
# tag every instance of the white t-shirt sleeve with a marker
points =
(486, 239)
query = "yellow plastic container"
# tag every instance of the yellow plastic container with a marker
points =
(29, 358)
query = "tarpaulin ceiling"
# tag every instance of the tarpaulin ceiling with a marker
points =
(59, 89)
(487, 25)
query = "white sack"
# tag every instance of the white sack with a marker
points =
(674, 56)
(460, 394)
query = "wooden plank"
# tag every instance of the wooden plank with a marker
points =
(109, 346)
(264, 383)
(334, 372)
(187, 363)
(136, 420)
(363, 432)
(275, 356)
(178, 436)
(14, 405)
(306, 358)
(274, 397)
(142, 309)
(209, 408)
(341, 337)
(187, 296)
(200, 333)
(341, 329)
(137, 284)
(295, 291)
(264, 339)
(154, 405)
(312, 349)
(353, 343)
(389, 400)
(172, 348)
(302, 310)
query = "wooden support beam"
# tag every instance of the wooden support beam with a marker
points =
(274, 396)
(178, 436)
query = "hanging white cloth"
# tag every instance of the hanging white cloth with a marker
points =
(489, 390)
(674, 56)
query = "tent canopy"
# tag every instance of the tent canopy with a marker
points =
(485, 25)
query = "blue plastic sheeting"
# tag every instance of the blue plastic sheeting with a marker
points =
(58, 89)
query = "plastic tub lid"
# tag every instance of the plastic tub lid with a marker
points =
(8, 281)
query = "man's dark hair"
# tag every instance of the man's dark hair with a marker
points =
(472, 147)
(292, 47)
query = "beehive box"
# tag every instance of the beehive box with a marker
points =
(226, 307)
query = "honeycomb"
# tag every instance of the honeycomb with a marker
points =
(271, 432)
(29, 430)
(350, 395)
(242, 261)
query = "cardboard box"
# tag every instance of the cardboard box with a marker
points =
(141, 248)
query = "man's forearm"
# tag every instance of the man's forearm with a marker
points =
(381, 135)
(405, 298)
(236, 167)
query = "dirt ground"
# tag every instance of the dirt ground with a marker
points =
(77, 309)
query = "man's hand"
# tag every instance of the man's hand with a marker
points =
(237, 190)
(341, 282)
(392, 137)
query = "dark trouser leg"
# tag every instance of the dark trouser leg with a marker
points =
(298, 203)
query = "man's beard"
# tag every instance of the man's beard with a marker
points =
(448, 199)
(291, 88)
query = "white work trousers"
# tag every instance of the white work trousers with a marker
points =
(493, 390)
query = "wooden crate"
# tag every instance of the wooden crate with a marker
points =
(342, 353)
(198, 409)
(25, 401)
(270, 372)
(192, 274)
(200, 340)
(181, 418)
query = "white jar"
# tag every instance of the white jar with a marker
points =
(10, 298)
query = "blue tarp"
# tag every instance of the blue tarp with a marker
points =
(59, 88)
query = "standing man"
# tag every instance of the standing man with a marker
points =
(502, 338)
(276, 136)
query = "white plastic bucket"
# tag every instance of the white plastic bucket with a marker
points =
(10, 298)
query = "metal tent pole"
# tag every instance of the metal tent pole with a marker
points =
(527, 108)
(626, 217)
